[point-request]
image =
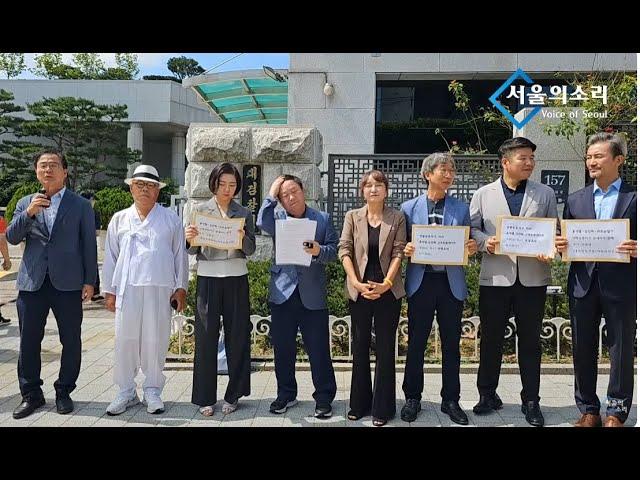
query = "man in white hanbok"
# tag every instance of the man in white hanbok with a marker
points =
(145, 273)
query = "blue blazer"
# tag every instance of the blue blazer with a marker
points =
(68, 253)
(455, 213)
(312, 280)
(617, 280)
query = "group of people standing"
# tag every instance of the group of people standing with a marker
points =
(145, 276)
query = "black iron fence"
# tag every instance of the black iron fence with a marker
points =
(405, 183)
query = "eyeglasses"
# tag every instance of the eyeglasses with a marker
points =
(49, 165)
(446, 171)
(142, 185)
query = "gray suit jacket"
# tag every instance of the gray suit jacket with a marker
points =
(486, 205)
(68, 253)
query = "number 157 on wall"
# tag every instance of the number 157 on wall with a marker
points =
(553, 180)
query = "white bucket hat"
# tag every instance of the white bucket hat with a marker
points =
(147, 173)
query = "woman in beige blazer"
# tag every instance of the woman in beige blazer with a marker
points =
(371, 251)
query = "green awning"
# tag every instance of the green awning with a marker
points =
(246, 96)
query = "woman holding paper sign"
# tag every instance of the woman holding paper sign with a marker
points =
(222, 289)
(371, 245)
(435, 288)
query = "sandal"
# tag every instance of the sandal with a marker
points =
(228, 408)
(206, 411)
(353, 416)
(378, 422)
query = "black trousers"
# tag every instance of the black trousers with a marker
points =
(229, 297)
(619, 316)
(286, 318)
(434, 295)
(33, 308)
(496, 305)
(97, 285)
(385, 314)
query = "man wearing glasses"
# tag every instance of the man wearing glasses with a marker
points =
(57, 272)
(145, 275)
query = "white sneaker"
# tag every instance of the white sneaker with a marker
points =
(153, 402)
(122, 402)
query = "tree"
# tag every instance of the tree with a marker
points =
(618, 115)
(183, 67)
(87, 133)
(86, 66)
(47, 65)
(8, 123)
(90, 64)
(128, 63)
(12, 64)
(481, 126)
(14, 154)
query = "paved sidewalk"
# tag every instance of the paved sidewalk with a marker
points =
(96, 390)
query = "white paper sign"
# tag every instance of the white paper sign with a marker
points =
(526, 236)
(439, 245)
(290, 234)
(218, 232)
(595, 240)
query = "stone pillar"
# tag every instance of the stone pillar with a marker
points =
(135, 139)
(178, 146)
(279, 149)
(555, 152)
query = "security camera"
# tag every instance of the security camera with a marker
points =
(328, 89)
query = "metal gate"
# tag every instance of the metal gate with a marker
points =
(403, 172)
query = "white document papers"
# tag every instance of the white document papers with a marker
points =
(290, 234)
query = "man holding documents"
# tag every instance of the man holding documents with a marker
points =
(298, 293)
(435, 288)
(508, 283)
(606, 289)
(144, 270)
(222, 291)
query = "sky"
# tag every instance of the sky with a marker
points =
(156, 63)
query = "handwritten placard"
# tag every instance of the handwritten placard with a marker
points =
(595, 240)
(218, 232)
(526, 236)
(440, 245)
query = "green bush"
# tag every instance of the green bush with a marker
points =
(259, 286)
(22, 191)
(165, 194)
(259, 276)
(8, 186)
(109, 201)
(472, 277)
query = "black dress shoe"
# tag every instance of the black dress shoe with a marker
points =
(532, 413)
(409, 412)
(323, 410)
(28, 406)
(64, 404)
(487, 403)
(456, 414)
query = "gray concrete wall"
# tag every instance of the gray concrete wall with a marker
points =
(147, 100)
(346, 119)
